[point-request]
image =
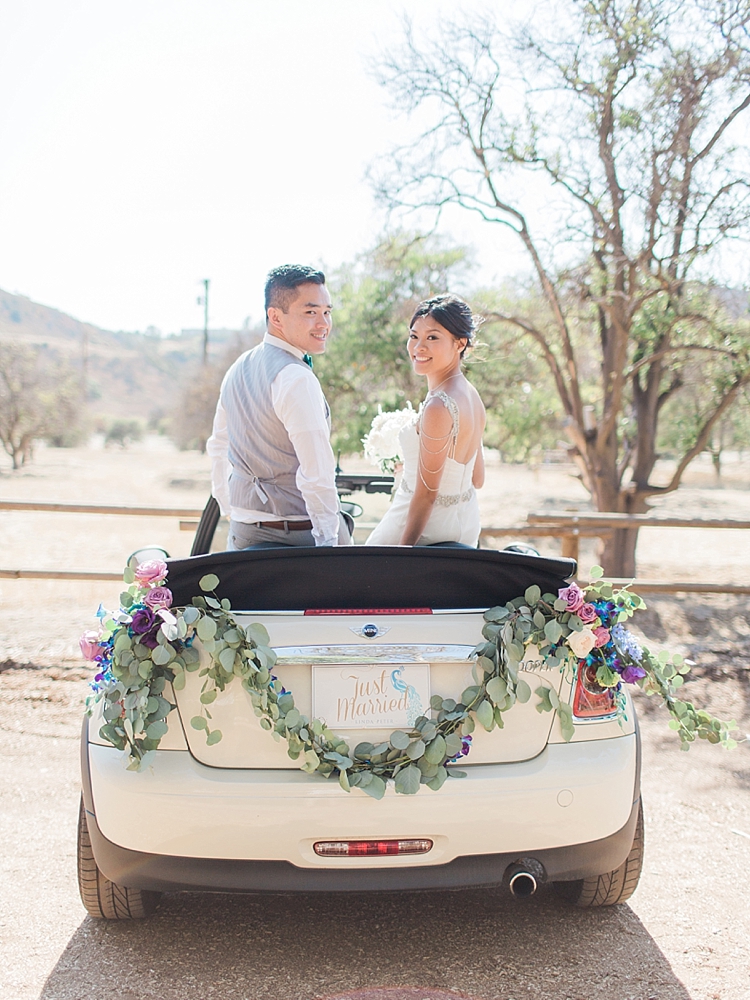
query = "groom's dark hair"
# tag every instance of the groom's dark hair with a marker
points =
(282, 284)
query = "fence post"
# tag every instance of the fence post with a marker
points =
(570, 545)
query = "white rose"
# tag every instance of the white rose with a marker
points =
(581, 642)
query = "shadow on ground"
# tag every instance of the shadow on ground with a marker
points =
(481, 943)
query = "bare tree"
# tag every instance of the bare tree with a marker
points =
(623, 117)
(38, 395)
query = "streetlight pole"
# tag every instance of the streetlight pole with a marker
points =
(206, 283)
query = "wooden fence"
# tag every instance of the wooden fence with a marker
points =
(569, 528)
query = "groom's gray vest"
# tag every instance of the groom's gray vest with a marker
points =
(264, 462)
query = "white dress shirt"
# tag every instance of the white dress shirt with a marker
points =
(298, 402)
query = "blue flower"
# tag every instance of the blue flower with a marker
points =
(627, 642)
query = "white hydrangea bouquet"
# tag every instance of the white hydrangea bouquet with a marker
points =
(382, 447)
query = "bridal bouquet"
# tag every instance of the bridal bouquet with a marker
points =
(381, 442)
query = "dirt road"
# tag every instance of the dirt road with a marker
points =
(684, 936)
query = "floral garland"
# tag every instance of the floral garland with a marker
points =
(149, 644)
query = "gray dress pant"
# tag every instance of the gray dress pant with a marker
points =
(242, 536)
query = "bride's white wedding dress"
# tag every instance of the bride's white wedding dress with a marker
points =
(455, 514)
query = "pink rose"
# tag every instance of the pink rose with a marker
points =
(602, 636)
(152, 572)
(158, 597)
(587, 614)
(89, 643)
(574, 596)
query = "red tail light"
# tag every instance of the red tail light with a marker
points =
(591, 699)
(370, 848)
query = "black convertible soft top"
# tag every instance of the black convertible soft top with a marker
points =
(367, 577)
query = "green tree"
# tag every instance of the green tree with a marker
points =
(622, 118)
(366, 363)
(39, 394)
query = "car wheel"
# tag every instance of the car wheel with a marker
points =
(104, 899)
(612, 887)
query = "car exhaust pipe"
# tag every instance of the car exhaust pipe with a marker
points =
(522, 884)
(524, 877)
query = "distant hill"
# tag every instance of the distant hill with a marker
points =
(127, 374)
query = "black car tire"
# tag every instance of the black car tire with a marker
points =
(613, 887)
(103, 899)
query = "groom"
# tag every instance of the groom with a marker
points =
(272, 467)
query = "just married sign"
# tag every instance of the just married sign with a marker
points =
(370, 696)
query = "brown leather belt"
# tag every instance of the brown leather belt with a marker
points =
(284, 525)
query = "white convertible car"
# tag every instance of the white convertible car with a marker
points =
(355, 629)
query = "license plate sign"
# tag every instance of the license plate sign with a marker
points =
(370, 696)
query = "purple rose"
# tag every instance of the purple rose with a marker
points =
(143, 621)
(574, 596)
(587, 613)
(159, 597)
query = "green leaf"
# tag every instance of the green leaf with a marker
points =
(467, 726)
(532, 594)
(292, 718)
(190, 615)
(214, 737)
(435, 751)
(344, 780)
(552, 631)
(497, 689)
(161, 655)
(226, 659)
(208, 582)
(311, 761)
(485, 715)
(156, 730)
(375, 787)
(523, 691)
(198, 722)
(408, 780)
(209, 696)
(399, 740)
(258, 634)
(206, 628)
(469, 694)
(415, 750)
(596, 573)
(438, 781)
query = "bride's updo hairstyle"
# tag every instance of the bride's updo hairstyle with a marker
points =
(453, 314)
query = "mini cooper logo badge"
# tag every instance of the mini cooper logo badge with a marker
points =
(370, 631)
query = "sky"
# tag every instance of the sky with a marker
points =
(149, 144)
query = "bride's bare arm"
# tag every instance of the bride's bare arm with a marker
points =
(477, 478)
(435, 436)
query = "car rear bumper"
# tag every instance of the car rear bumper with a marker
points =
(167, 873)
(182, 825)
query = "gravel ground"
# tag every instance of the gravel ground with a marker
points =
(683, 936)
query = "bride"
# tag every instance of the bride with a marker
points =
(436, 500)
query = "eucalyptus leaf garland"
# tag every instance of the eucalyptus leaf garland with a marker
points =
(148, 645)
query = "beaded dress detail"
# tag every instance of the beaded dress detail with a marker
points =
(455, 515)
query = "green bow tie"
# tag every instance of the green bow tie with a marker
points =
(307, 359)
